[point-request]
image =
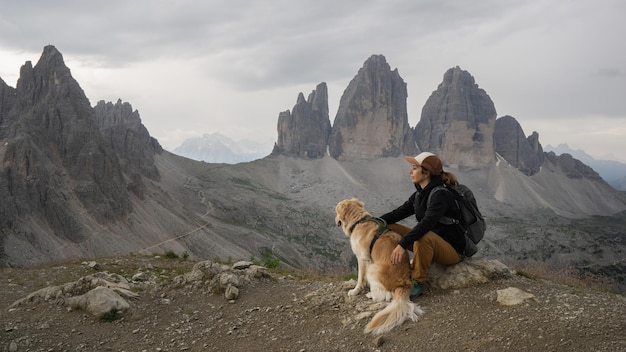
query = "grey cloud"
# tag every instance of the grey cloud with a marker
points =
(610, 73)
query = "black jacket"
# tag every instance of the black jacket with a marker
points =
(428, 217)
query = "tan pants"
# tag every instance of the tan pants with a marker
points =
(430, 248)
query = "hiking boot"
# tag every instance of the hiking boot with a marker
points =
(418, 289)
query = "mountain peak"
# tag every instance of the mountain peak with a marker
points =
(372, 119)
(304, 131)
(458, 121)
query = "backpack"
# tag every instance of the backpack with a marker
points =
(471, 220)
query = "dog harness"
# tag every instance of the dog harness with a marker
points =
(382, 228)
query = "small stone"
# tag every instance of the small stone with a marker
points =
(140, 276)
(242, 265)
(94, 265)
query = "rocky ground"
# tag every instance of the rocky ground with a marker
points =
(296, 312)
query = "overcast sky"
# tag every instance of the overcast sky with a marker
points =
(195, 67)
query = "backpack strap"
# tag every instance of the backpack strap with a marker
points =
(446, 220)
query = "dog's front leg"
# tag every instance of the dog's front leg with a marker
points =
(361, 278)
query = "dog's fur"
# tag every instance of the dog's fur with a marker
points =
(386, 281)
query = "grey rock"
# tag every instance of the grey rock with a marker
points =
(140, 276)
(124, 133)
(469, 272)
(229, 279)
(244, 264)
(526, 154)
(512, 296)
(372, 120)
(573, 167)
(304, 131)
(457, 122)
(256, 272)
(54, 158)
(99, 302)
(231, 292)
(57, 294)
(93, 265)
(613, 172)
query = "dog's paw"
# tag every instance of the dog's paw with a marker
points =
(355, 291)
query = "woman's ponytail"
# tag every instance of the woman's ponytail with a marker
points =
(449, 178)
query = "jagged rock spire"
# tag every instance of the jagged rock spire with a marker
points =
(54, 159)
(122, 129)
(304, 132)
(526, 154)
(458, 121)
(372, 119)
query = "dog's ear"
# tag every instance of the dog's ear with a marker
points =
(342, 206)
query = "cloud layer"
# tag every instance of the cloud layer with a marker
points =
(194, 67)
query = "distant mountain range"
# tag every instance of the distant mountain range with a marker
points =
(613, 172)
(218, 148)
(78, 181)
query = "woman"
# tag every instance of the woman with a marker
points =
(430, 240)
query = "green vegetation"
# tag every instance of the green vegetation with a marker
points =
(269, 260)
(242, 182)
(172, 255)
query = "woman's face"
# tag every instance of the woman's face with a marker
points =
(418, 176)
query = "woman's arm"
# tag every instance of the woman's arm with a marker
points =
(402, 212)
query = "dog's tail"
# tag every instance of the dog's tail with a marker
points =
(400, 309)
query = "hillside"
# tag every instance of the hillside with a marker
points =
(80, 181)
(299, 311)
(614, 172)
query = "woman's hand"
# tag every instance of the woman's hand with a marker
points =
(396, 255)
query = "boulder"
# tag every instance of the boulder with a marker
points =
(469, 272)
(99, 302)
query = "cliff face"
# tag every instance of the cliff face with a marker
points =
(54, 158)
(68, 170)
(526, 154)
(123, 132)
(372, 120)
(304, 131)
(457, 122)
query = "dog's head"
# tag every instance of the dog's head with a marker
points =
(348, 212)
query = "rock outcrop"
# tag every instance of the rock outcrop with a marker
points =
(304, 132)
(572, 167)
(54, 160)
(458, 122)
(123, 132)
(372, 120)
(525, 154)
(7, 99)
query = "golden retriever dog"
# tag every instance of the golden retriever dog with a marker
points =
(386, 281)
